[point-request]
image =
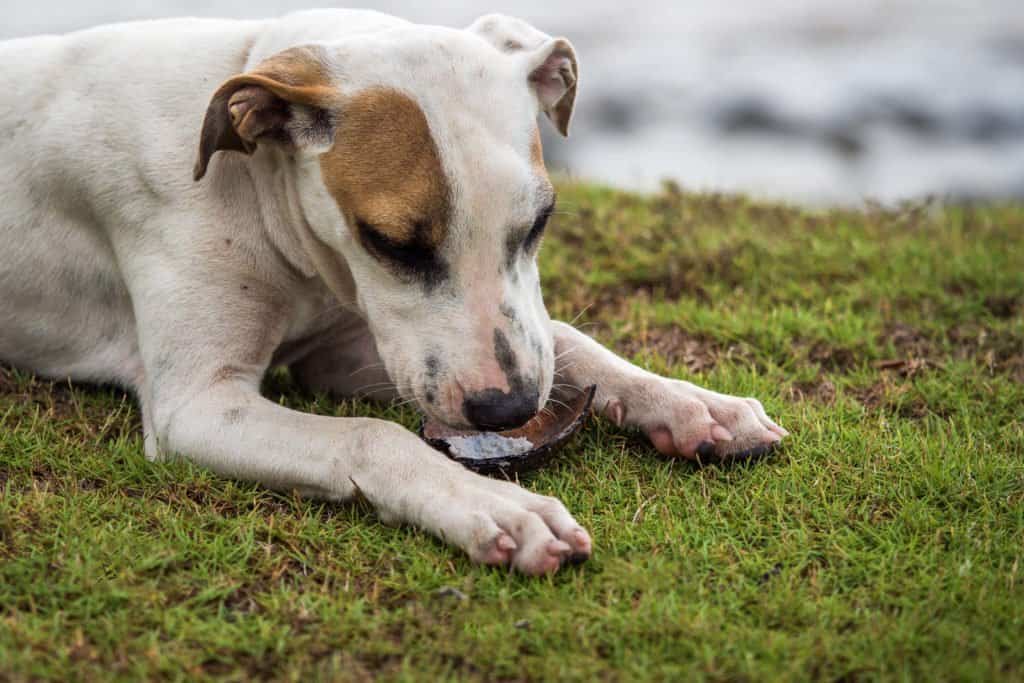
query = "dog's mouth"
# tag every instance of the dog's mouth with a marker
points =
(493, 397)
(513, 450)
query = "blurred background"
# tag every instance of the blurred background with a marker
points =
(820, 102)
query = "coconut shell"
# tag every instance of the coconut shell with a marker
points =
(549, 430)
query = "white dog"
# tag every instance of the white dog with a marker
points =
(372, 223)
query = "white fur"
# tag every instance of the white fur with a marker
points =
(118, 268)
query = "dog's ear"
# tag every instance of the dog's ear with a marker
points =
(551, 63)
(285, 99)
(554, 77)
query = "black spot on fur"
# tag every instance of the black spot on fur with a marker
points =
(234, 416)
(433, 366)
(508, 312)
(507, 362)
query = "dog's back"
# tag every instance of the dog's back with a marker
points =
(91, 142)
(98, 135)
(81, 112)
(87, 106)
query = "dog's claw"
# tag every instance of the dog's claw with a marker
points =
(706, 450)
(751, 453)
(582, 547)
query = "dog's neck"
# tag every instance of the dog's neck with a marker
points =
(288, 230)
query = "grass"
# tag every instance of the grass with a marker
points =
(883, 542)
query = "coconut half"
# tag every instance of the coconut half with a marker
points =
(515, 450)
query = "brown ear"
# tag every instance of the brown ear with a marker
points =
(262, 104)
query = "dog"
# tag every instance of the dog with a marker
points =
(187, 203)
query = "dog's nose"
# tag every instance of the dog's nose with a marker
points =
(496, 410)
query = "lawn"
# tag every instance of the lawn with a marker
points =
(884, 541)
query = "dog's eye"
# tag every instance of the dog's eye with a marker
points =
(413, 257)
(530, 243)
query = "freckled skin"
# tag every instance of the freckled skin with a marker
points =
(508, 363)
(433, 366)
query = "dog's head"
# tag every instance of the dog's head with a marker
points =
(415, 157)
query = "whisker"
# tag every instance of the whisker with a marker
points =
(333, 309)
(579, 315)
(401, 404)
(366, 367)
(377, 385)
(563, 368)
(566, 352)
(557, 402)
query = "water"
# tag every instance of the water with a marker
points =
(820, 102)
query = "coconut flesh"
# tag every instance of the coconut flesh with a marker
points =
(513, 450)
(487, 445)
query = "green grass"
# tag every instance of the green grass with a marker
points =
(883, 542)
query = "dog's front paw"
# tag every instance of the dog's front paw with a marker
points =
(510, 526)
(682, 419)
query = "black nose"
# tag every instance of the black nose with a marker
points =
(495, 410)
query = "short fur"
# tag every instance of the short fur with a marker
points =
(188, 202)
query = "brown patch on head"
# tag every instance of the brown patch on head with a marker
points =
(384, 169)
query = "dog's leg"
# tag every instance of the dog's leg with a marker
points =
(680, 418)
(205, 352)
(237, 433)
(345, 363)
